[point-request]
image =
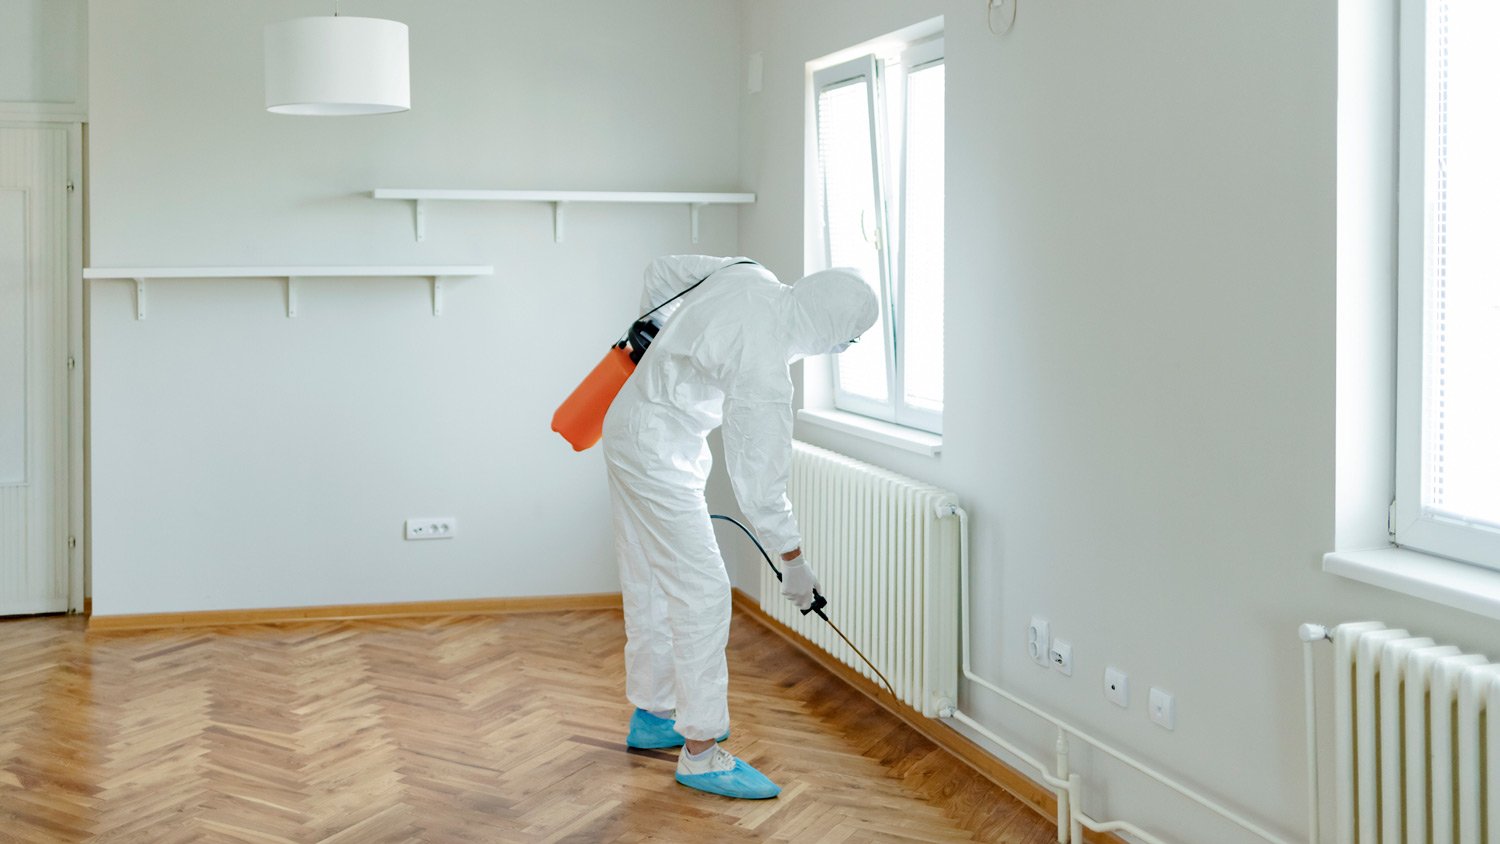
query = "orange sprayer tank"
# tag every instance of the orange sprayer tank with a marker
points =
(580, 418)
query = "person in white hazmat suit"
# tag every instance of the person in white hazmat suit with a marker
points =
(722, 356)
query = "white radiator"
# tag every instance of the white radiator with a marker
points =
(1417, 725)
(885, 549)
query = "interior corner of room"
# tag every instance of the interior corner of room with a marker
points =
(262, 367)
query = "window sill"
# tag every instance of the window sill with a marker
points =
(886, 433)
(1453, 584)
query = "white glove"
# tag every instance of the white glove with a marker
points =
(798, 581)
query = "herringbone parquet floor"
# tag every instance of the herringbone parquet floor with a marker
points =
(483, 728)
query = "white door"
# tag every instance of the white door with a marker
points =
(34, 442)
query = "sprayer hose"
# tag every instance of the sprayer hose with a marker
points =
(820, 613)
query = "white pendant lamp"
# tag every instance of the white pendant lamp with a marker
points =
(328, 66)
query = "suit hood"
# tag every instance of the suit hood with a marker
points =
(830, 308)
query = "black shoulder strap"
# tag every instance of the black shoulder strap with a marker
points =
(689, 289)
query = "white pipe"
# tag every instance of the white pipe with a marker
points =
(1072, 787)
(1075, 817)
(1065, 792)
(1047, 777)
(1311, 633)
(1063, 771)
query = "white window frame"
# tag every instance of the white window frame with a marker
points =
(917, 57)
(892, 280)
(1412, 526)
(867, 69)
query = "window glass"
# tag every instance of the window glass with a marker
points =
(1461, 354)
(1448, 324)
(846, 159)
(880, 137)
(922, 255)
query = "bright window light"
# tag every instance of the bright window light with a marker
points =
(1448, 379)
(845, 159)
(880, 138)
(1461, 338)
(922, 241)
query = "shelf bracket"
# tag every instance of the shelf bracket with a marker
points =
(437, 295)
(140, 298)
(291, 296)
(694, 208)
(558, 219)
(419, 218)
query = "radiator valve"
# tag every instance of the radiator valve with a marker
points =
(1312, 632)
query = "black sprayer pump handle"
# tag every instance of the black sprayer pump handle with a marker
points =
(818, 602)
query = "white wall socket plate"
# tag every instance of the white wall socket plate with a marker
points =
(1039, 641)
(435, 527)
(1117, 687)
(1061, 656)
(1163, 709)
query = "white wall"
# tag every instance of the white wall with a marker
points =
(244, 459)
(1141, 279)
(1141, 314)
(42, 45)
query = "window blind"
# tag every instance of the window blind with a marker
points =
(852, 219)
(1461, 290)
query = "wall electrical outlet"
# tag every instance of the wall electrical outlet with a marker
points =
(1039, 641)
(1117, 687)
(1163, 709)
(438, 527)
(1061, 656)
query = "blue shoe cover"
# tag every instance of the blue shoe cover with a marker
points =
(742, 781)
(648, 732)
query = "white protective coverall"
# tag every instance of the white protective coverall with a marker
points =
(721, 356)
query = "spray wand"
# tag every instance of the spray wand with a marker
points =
(819, 602)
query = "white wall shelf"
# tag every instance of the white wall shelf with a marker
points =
(435, 274)
(559, 199)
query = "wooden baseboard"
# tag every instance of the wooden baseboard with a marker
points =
(1018, 785)
(348, 612)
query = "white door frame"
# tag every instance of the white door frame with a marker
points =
(78, 533)
(71, 429)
